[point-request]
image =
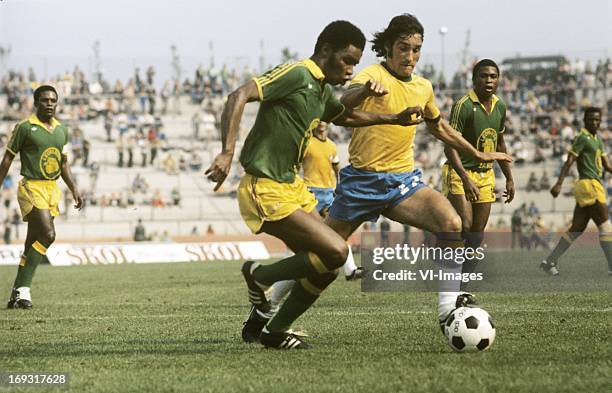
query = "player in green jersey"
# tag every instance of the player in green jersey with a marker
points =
(467, 183)
(40, 141)
(294, 97)
(589, 152)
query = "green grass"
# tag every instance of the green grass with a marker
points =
(176, 328)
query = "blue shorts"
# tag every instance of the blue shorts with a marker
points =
(364, 195)
(324, 196)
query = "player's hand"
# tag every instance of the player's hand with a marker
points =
(494, 156)
(78, 200)
(410, 116)
(509, 193)
(219, 169)
(556, 190)
(375, 89)
(472, 192)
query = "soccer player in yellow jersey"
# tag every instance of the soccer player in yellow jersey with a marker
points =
(467, 183)
(381, 178)
(40, 141)
(320, 167)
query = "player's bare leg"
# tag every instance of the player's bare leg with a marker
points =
(429, 210)
(464, 208)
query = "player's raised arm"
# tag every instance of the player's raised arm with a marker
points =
(356, 94)
(358, 118)
(230, 122)
(556, 189)
(66, 175)
(444, 132)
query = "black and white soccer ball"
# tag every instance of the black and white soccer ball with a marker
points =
(469, 329)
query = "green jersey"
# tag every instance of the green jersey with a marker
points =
(293, 101)
(588, 149)
(40, 148)
(479, 127)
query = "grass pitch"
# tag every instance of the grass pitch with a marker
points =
(176, 328)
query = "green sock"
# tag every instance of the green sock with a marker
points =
(298, 301)
(25, 273)
(564, 243)
(292, 268)
(605, 240)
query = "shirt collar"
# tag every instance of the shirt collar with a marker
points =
(314, 69)
(393, 74)
(588, 133)
(33, 119)
(474, 98)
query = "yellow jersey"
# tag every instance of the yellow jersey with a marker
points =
(389, 148)
(318, 163)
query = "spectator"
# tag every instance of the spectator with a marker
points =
(516, 223)
(140, 232)
(195, 162)
(196, 121)
(153, 139)
(532, 183)
(544, 181)
(209, 230)
(170, 165)
(94, 171)
(7, 231)
(157, 200)
(139, 184)
(175, 195)
(108, 125)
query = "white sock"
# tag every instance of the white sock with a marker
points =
(349, 265)
(446, 303)
(280, 289)
(24, 293)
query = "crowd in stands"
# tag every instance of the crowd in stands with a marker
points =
(544, 114)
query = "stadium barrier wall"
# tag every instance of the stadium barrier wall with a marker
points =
(142, 252)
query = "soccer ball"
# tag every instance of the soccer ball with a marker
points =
(469, 330)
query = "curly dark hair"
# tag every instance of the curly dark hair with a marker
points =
(483, 63)
(42, 89)
(591, 109)
(405, 24)
(340, 34)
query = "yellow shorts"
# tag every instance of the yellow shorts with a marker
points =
(41, 194)
(589, 191)
(262, 199)
(485, 181)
